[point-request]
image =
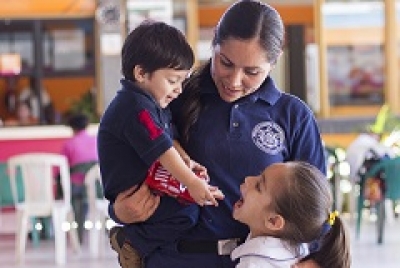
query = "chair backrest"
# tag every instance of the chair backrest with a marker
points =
(82, 168)
(391, 169)
(6, 197)
(37, 171)
(93, 182)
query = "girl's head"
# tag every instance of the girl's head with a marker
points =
(293, 201)
(247, 43)
(157, 57)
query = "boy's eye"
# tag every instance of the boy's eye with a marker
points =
(173, 81)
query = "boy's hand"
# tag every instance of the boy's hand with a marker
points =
(200, 170)
(204, 194)
(162, 182)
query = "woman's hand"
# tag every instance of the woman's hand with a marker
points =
(132, 207)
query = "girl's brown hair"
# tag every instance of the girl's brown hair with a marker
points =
(305, 204)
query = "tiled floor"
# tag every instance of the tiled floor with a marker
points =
(365, 252)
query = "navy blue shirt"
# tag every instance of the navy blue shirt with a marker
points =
(238, 139)
(134, 131)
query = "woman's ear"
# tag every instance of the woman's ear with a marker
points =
(274, 222)
(139, 73)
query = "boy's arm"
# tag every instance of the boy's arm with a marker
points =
(193, 165)
(199, 189)
(181, 152)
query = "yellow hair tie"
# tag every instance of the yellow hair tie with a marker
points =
(332, 217)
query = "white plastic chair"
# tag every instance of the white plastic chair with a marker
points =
(97, 211)
(38, 183)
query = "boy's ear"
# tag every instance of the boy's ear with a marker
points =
(138, 73)
(274, 222)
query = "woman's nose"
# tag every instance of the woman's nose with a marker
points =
(236, 78)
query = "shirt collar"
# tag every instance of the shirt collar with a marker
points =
(269, 247)
(129, 85)
(267, 92)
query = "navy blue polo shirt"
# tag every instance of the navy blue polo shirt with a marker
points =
(134, 131)
(235, 140)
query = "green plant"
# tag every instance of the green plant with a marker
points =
(385, 122)
(85, 105)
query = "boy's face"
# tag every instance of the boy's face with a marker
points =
(163, 84)
(254, 208)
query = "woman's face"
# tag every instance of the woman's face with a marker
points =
(238, 68)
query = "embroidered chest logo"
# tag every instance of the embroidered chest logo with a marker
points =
(269, 137)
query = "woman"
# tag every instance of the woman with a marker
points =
(235, 121)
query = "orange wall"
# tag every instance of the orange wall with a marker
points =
(47, 8)
(64, 91)
(291, 14)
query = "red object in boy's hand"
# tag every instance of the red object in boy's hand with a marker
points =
(160, 180)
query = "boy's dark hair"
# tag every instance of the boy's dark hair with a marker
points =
(155, 45)
(78, 122)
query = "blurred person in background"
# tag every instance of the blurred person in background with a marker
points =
(81, 152)
(23, 115)
(367, 145)
(28, 94)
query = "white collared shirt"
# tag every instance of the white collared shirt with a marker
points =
(266, 252)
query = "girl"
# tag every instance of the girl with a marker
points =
(287, 209)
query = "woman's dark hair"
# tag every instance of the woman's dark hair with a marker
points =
(244, 20)
(305, 204)
(155, 45)
(249, 19)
